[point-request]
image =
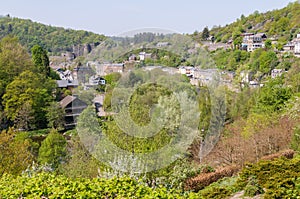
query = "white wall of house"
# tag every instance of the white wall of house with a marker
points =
(297, 48)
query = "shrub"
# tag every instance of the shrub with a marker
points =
(253, 188)
(204, 179)
(295, 144)
(280, 178)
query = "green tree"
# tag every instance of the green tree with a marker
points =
(14, 59)
(80, 163)
(237, 42)
(25, 117)
(205, 109)
(15, 156)
(268, 44)
(254, 59)
(29, 88)
(295, 144)
(53, 149)
(41, 60)
(267, 61)
(237, 39)
(205, 33)
(86, 96)
(55, 116)
(273, 96)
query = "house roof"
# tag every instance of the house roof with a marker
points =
(260, 35)
(66, 83)
(66, 101)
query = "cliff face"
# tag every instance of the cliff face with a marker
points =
(83, 49)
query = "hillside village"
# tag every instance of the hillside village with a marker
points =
(71, 79)
(222, 106)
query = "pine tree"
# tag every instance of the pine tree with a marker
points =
(205, 33)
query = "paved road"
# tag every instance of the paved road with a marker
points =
(100, 99)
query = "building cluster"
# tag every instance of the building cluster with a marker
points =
(293, 46)
(206, 76)
(253, 41)
(67, 80)
(84, 76)
(92, 74)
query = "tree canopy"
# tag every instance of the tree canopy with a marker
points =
(52, 39)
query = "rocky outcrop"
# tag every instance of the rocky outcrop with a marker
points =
(82, 50)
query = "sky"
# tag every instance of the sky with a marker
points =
(116, 17)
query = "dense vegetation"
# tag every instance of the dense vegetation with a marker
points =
(259, 122)
(52, 186)
(52, 39)
(158, 57)
(282, 24)
(178, 50)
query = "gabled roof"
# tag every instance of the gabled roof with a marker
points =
(66, 101)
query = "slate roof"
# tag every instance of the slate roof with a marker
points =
(66, 101)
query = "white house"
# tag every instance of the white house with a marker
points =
(96, 80)
(297, 45)
(252, 41)
(187, 70)
(297, 49)
(144, 55)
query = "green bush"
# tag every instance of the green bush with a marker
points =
(295, 143)
(280, 178)
(53, 186)
(253, 188)
(221, 189)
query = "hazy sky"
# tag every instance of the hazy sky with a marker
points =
(114, 17)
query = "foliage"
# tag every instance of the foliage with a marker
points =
(205, 109)
(293, 74)
(279, 178)
(220, 189)
(32, 90)
(112, 79)
(295, 143)
(205, 33)
(79, 162)
(253, 188)
(13, 61)
(273, 96)
(230, 60)
(282, 22)
(40, 60)
(25, 117)
(143, 99)
(268, 44)
(53, 149)
(240, 104)
(52, 39)
(173, 54)
(55, 116)
(158, 57)
(53, 186)
(267, 61)
(15, 156)
(255, 123)
(87, 96)
(175, 175)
